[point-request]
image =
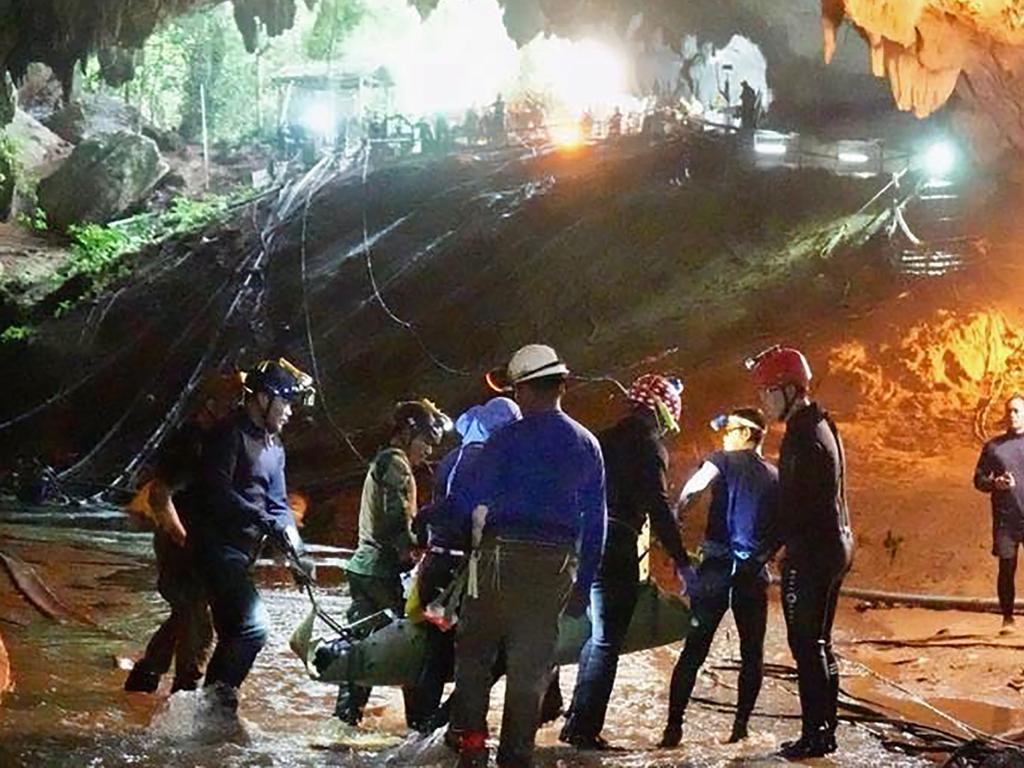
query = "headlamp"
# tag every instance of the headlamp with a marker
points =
(751, 362)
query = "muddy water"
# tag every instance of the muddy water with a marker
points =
(68, 708)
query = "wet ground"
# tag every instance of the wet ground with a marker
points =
(68, 709)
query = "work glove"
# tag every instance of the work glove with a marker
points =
(578, 603)
(303, 570)
(688, 577)
(302, 567)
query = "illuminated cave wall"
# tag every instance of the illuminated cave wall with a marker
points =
(929, 49)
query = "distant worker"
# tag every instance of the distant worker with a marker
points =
(814, 527)
(586, 126)
(498, 128)
(245, 505)
(446, 536)
(186, 636)
(471, 127)
(540, 492)
(1000, 473)
(740, 538)
(750, 106)
(636, 464)
(615, 124)
(386, 543)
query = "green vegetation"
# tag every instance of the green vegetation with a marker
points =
(16, 333)
(99, 250)
(203, 52)
(334, 21)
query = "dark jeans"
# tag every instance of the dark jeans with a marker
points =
(370, 595)
(612, 601)
(436, 573)
(187, 634)
(718, 590)
(810, 593)
(239, 615)
(523, 589)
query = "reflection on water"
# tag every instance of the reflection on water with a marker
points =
(68, 708)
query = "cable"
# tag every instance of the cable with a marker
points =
(345, 437)
(380, 299)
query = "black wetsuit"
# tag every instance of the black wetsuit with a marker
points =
(815, 528)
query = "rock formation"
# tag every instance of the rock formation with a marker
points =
(105, 177)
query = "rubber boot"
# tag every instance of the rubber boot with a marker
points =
(672, 735)
(739, 731)
(141, 680)
(473, 752)
(818, 743)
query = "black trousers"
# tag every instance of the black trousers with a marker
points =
(718, 590)
(810, 593)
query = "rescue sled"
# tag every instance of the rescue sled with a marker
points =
(386, 650)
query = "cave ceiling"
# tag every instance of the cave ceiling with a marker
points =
(926, 49)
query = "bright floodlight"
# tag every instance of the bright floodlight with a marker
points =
(770, 147)
(940, 159)
(853, 158)
(319, 118)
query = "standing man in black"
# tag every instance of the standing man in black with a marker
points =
(1000, 473)
(814, 524)
(636, 464)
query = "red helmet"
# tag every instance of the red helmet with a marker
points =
(653, 390)
(778, 366)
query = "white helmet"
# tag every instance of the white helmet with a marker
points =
(535, 361)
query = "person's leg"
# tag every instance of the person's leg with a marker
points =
(239, 616)
(535, 585)
(156, 659)
(435, 575)
(832, 665)
(708, 605)
(750, 610)
(1006, 587)
(477, 641)
(805, 599)
(612, 602)
(194, 643)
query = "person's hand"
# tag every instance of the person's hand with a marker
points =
(303, 570)
(177, 534)
(578, 603)
(1005, 482)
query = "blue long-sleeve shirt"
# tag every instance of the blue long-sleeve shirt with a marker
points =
(441, 522)
(244, 496)
(542, 479)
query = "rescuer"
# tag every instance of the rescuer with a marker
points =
(244, 505)
(636, 464)
(386, 543)
(739, 539)
(749, 107)
(446, 537)
(1000, 473)
(540, 493)
(814, 526)
(187, 634)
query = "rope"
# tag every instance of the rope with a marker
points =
(380, 298)
(345, 437)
